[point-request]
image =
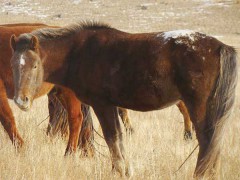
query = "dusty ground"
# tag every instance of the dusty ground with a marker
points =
(157, 148)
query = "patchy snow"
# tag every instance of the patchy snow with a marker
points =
(23, 7)
(218, 36)
(179, 33)
(77, 1)
(209, 3)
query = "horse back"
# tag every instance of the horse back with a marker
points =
(129, 70)
(144, 71)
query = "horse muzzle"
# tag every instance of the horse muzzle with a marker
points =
(23, 102)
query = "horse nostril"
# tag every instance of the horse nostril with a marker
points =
(26, 99)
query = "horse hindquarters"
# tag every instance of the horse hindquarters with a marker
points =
(210, 117)
(7, 118)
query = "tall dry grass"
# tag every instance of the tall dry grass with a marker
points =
(156, 149)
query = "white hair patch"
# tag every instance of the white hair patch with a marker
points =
(22, 60)
(179, 33)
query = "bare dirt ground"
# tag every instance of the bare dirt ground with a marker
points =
(157, 148)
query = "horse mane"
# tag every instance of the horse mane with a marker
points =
(57, 33)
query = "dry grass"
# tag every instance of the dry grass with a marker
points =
(157, 148)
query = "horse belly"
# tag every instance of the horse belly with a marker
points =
(150, 95)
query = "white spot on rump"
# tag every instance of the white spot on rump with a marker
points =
(179, 33)
(22, 60)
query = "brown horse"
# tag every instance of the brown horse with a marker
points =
(58, 94)
(6, 31)
(107, 68)
(66, 96)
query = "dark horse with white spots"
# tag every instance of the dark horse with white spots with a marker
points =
(107, 68)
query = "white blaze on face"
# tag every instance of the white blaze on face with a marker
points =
(22, 60)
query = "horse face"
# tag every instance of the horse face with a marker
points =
(27, 71)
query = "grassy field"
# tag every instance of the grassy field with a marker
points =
(157, 148)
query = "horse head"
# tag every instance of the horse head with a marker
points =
(27, 69)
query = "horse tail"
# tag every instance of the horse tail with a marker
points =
(58, 121)
(86, 136)
(219, 107)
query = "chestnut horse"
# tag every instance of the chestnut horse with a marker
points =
(66, 96)
(107, 68)
(6, 31)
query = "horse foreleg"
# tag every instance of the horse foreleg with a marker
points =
(187, 121)
(108, 118)
(7, 118)
(125, 119)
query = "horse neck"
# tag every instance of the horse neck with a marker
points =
(55, 56)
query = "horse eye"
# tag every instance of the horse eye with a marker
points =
(35, 67)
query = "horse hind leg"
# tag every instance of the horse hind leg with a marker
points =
(72, 105)
(187, 121)
(109, 121)
(208, 160)
(125, 119)
(210, 115)
(7, 118)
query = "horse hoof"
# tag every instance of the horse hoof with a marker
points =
(87, 152)
(129, 171)
(18, 143)
(130, 131)
(187, 135)
(119, 167)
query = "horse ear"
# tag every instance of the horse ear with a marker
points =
(34, 43)
(13, 42)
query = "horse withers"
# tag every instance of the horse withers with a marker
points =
(107, 68)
